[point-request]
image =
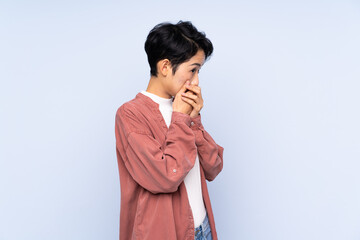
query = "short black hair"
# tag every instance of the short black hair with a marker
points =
(176, 42)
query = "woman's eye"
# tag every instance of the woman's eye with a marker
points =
(195, 70)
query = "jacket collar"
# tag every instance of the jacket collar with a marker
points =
(147, 100)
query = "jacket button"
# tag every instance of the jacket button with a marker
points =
(192, 123)
(174, 170)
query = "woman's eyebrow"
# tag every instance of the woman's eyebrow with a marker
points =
(196, 64)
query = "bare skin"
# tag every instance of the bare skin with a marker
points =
(167, 85)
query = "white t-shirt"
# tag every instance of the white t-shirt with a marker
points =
(192, 180)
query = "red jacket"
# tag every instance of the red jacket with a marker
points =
(153, 161)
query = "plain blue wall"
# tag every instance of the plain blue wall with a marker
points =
(281, 95)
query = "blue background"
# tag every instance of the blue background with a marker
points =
(281, 95)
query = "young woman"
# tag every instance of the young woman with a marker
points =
(164, 154)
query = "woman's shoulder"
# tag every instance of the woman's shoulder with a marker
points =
(132, 114)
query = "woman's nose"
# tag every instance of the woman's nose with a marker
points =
(195, 81)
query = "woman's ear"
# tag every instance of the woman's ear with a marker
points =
(164, 67)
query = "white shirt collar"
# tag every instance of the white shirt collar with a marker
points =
(167, 102)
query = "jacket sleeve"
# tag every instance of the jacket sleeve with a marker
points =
(156, 167)
(210, 153)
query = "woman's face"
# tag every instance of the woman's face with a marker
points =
(187, 71)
